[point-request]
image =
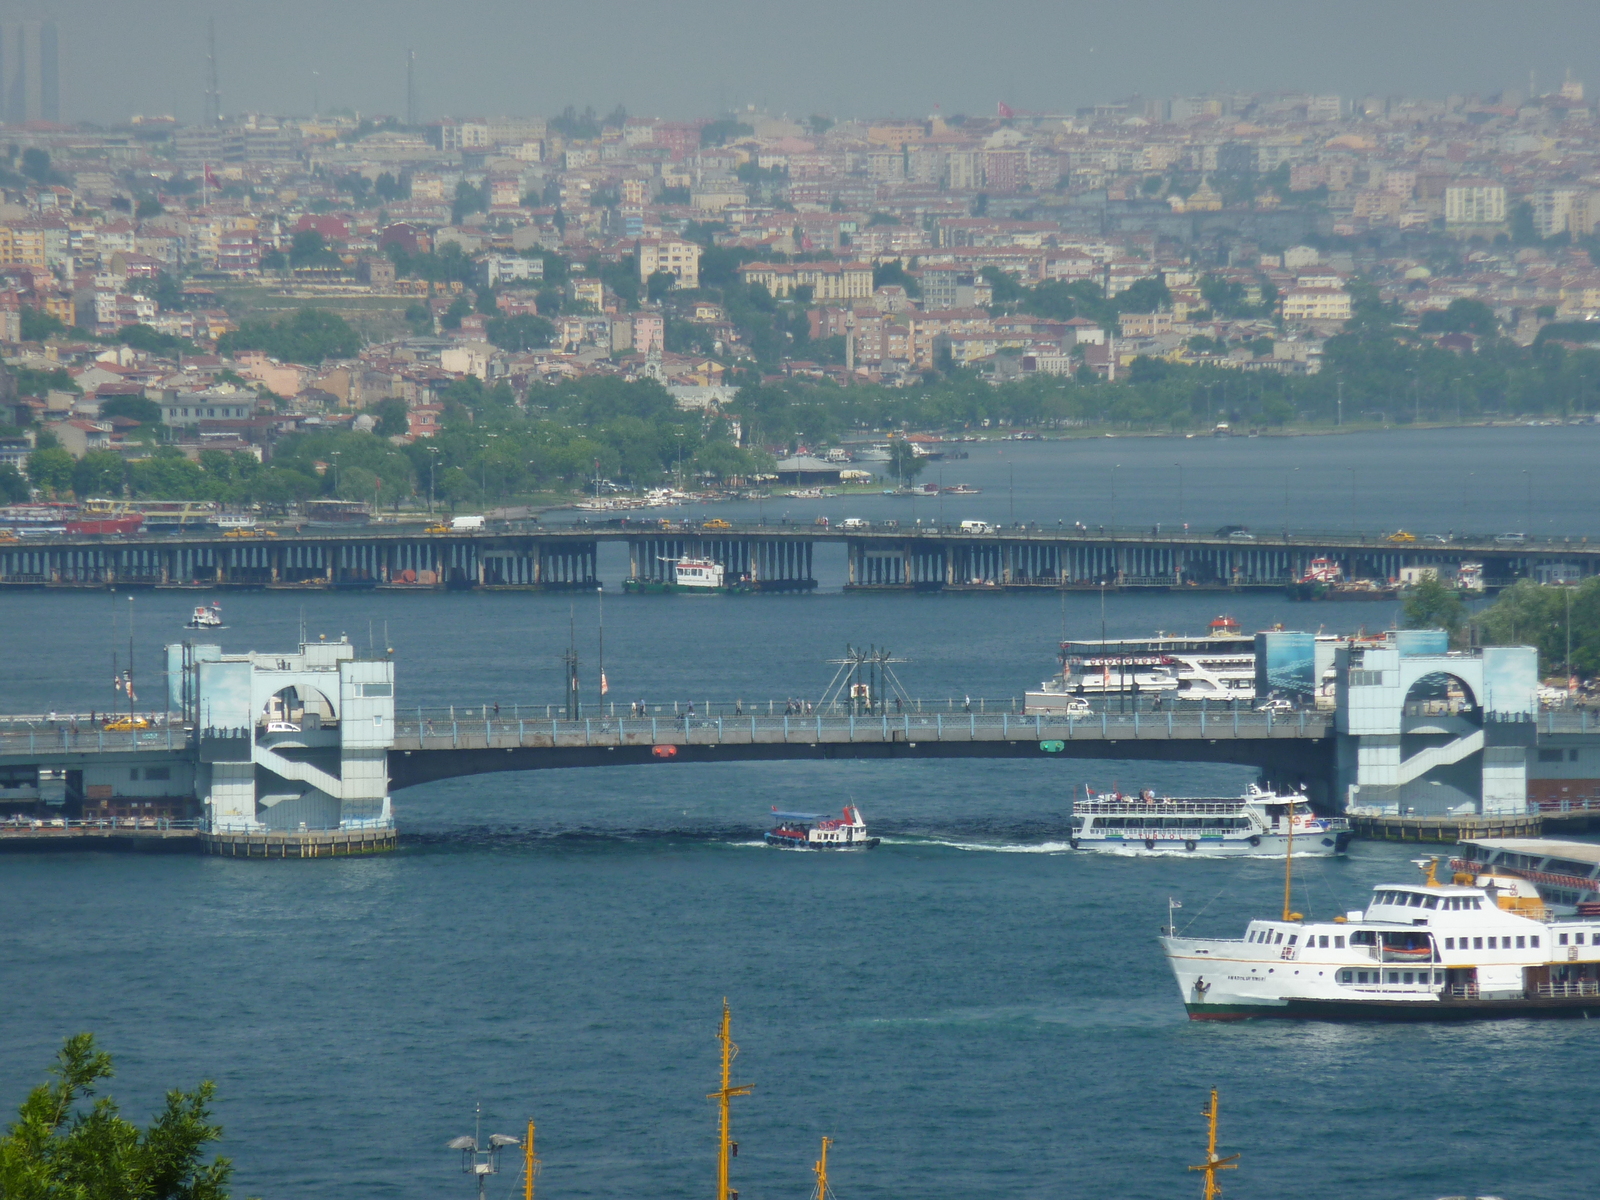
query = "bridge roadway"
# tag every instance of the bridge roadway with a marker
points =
(1293, 749)
(773, 556)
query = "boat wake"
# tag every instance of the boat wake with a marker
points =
(985, 847)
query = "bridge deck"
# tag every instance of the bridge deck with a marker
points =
(908, 728)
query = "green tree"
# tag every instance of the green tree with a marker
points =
(51, 469)
(136, 408)
(893, 274)
(309, 336)
(13, 486)
(905, 464)
(143, 337)
(38, 325)
(523, 332)
(659, 284)
(98, 473)
(1431, 605)
(310, 249)
(1463, 316)
(391, 415)
(459, 307)
(61, 1147)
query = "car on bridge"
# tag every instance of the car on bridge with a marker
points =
(716, 523)
(1401, 537)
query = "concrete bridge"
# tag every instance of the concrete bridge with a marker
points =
(772, 556)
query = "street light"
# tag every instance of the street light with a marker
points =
(1180, 494)
(335, 457)
(482, 1160)
(433, 458)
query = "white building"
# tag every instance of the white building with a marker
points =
(1474, 203)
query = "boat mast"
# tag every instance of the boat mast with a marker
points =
(1213, 1164)
(726, 1147)
(1288, 863)
(821, 1172)
(530, 1163)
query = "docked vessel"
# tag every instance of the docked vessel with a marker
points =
(1259, 824)
(692, 575)
(1566, 874)
(206, 617)
(818, 831)
(1218, 667)
(1479, 948)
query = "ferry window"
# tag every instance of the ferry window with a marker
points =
(1522, 943)
(1416, 899)
(1279, 939)
(1449, 943)
(1477, 943)
(1394, 976)
(1577, 939)
(1561, 939)
(1322, 942)
(1361, 976)
(1477, 903)
(158, 773)
(1344, 976)
(1533, 942)
(1430, 902)
(1407, 977)
(133, 772)
(1292, 938)
(1491, 944)
(1338, 941)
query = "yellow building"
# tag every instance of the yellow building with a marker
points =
(827, 280)
(675, 257)
(1316, 304)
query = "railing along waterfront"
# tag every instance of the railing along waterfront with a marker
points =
(1052, 731)
(64, 736)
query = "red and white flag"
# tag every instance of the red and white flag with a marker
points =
(604, 686)
(1005, 109)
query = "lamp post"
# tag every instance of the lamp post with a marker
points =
(335, 457)
(1180, 494)
(1352, 501)
(433, 458)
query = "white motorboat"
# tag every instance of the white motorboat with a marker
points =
(819, 831)
(206, 617)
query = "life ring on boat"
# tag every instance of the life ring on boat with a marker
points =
(1149, 843)
(1189, 844)
(1255, 839)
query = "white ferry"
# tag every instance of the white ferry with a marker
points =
(1482, 947)
(818, 831)
(1218, 667)
(1259, 824)
(1567, 874)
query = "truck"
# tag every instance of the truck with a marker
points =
(976, 527)
(466, 524)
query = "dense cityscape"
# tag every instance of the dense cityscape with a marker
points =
(252, 285)
(1074, 631)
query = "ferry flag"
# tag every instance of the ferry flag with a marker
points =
(604, 687)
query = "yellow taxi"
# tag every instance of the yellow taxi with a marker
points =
(1400, 536)
(716, 523)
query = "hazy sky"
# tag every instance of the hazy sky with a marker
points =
(841, 57)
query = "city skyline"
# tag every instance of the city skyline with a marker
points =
(894, 59)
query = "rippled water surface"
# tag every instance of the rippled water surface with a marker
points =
(969, 1010)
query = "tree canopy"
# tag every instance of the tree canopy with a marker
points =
(64, 1148)
(309, 336)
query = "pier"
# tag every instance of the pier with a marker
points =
(778, 557)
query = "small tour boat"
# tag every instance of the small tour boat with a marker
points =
(691, 576)
(206, 617)
(818, 831)
(1259, 824)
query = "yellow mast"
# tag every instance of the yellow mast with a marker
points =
(1288, 865)
(722, 1095)
(1213, 1164)
(821, 1172)
(530, 1164)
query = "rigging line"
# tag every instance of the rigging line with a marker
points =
(1228, 883)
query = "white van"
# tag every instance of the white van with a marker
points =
(467, 524)
(853, 523)
(976, 527)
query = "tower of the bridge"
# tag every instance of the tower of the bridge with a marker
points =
(290, 746)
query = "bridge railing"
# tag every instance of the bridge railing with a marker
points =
(64, 736)
(665, 732)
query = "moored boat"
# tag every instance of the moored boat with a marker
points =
(1259, 824)
(1481, 947)
(818, 831)
(691, 575)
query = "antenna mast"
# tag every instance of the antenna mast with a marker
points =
(726, 1148)
(530, 1164)
(411, 88)
(1213, 1164)
(213, 89)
